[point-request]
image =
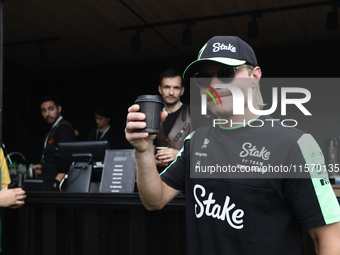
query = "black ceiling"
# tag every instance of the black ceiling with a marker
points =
(82, 33)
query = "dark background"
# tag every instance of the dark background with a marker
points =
(81, 89)
(81, 51)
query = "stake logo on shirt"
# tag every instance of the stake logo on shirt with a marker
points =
(210, 208)
(251, 150)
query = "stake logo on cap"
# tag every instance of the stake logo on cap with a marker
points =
(227, 50)
(220, 46)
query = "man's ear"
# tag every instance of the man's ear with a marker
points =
(256, 74)
(182, 91)
(59, 109)
(160, 89)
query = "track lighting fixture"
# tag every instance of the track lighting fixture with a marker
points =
(332, 20)
(253, 31)
(135, 44)
(43, 57)
(186, 35)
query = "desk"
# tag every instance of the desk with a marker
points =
(92, 223)
(53, 223)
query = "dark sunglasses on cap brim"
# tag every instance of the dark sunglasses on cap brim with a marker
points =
(224, 74)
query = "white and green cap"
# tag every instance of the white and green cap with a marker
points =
(228, 50)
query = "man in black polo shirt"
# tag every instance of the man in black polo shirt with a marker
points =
(61, 131)
(258, 216)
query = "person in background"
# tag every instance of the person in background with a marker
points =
(176, 126)
(12, 198)
(104, 130)
(61, 131)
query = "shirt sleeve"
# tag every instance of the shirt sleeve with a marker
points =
(313, 199)
(5, 179)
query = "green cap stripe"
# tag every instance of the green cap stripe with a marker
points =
(314, 157)
(201, 51)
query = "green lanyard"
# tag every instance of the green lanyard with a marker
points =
(102, 133)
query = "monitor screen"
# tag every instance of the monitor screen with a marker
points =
(95, 148)
(68, 151)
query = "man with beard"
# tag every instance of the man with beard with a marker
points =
(61, 131)
(233, 213)
(177, 124)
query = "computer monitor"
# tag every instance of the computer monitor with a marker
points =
(95, 148)
(89, 152)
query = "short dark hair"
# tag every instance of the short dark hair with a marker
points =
(50, 98)
(103, 110)
(170, 73)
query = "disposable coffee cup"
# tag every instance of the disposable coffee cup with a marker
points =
(151, 106)
(161, 148)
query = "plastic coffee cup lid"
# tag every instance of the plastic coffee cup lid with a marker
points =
(149, 98)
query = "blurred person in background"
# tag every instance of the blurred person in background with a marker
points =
(104, 130)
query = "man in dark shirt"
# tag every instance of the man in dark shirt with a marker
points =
(177, 125)
(104, 130)
(61, 131)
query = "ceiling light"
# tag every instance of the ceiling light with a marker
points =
(187, 40)
(135, 44)
(43, 53)
(253, 31)
(186, 35)
(332, 20)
